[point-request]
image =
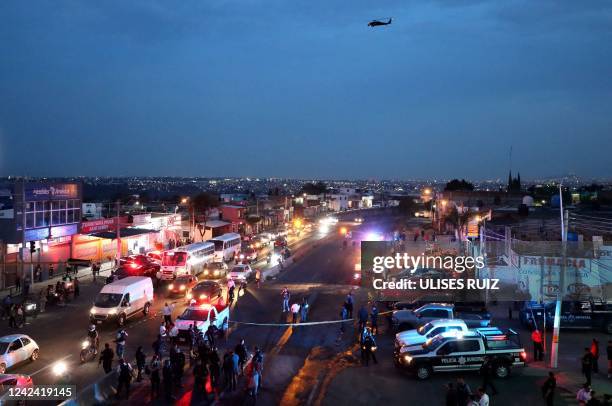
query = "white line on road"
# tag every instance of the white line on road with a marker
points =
(51, 364)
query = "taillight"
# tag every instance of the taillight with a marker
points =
(523, 355)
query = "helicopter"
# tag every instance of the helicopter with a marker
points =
(376, 23)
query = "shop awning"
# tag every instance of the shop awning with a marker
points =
(125, 233)
(216, 223)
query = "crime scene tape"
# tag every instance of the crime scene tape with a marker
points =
(308, 323)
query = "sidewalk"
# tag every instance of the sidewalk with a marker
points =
(83, 273)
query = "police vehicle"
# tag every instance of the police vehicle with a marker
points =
(420, 335)
(463, 351)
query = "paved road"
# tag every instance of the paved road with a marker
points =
(312, 364)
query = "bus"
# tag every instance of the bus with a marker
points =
(186, 260)
(227, 246)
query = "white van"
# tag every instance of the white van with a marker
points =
(227, 246)
(123, 299)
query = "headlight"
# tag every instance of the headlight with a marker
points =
(189, 295)
(206, 272)
(171, 286)
(31, 306)
(407, 359)
(92, 311)
(202, 296)
(112, 311)
(182, 287)
(216, 272)
(85, 344)
(59, 368)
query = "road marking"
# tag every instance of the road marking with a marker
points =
(51, 364)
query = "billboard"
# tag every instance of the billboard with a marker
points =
(58, 191)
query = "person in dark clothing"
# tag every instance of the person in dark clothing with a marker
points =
(374, 319)
(241, 351)
(168, 380)
(363, 317)
(215, 369)
(12, 316)
(548, 389)
(77, 287)
(595, 354)
(210, 335)
(125, 378)
(38, 273)
(463, 392)
(368, 348)
(451, 395)
(141, 361)
(609, 353)
(486, 371)
(200, 373)
(178, 364)
(228, 371)
(348, 304)
(157, 346)
(154, 370)
(106, 358)
(587, 365)
(17, 283)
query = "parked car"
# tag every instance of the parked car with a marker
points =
(410, 319)
(209, 292)
(15, 349)
(182, 285)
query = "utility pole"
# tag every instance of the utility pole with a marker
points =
(554, 353)
(118, 233)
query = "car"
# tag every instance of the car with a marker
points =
(15, 349)
(358, 220)
(182, 284)
(13, 381)
(215, 270)
(137, 265)
(155, 257)
(410, 319)
(280, 242)
(202, 316)
(240, 272)
(248, 255)
(206, 292)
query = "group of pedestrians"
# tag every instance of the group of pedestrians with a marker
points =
(590, 360)
(297, 310)
(237, 363)
(460, 394)
(15, 312)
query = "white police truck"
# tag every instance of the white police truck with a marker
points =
(463, 351)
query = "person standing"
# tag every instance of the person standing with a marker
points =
(106, 358)
(120, 342)
(199, 376)
(210, 335)
(295, 309)
(609, 353)
(285, 296)
(154, 376)
(228, 371)
(451, 395)
(548, 389)
(141, 361)
(42, 301)
(12, 316)
(51, 271)
(17, 283)
(168, 380)
(304, 311)
(595, 353)
(125, 378)
(464, 392)
(215, 370)
(38, 273)
(587, 365)
(257, 277)
(486, 371)
(363, 318)
(168, 313)
(77, 287)
(343, 316)
(483, 397)
(348, 303)
(368, 348)
(241, 352)
(374, 319)
(538, 347)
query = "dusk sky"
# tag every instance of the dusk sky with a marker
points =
(305, 89)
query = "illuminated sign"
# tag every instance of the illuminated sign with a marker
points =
(59, 191)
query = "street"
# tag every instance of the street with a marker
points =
(304, 364)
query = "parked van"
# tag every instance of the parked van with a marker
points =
(123, 299)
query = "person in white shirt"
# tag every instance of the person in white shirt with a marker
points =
(162, 329)
(484, 398)
(168, 313)
(174, 332)
(584, 394)
(295, 309)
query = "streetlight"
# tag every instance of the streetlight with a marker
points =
(184, 200)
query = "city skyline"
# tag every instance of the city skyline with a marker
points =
(306, 90)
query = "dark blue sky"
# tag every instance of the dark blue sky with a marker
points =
(304, 88)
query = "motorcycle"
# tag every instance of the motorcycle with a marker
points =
(88, 351)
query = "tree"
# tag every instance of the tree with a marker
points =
(202, 202)
(457, 185)
(407, 206)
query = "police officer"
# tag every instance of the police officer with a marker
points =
(486, 371)
(106, 358)
(125, 377)
(368, 347)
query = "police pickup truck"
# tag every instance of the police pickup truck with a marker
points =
(410, 338)
(202, 316)
(577, 314)
(411, 319)
(463, 351)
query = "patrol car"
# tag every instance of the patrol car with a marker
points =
(410, 319)
(433, 328)
(463, 351)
